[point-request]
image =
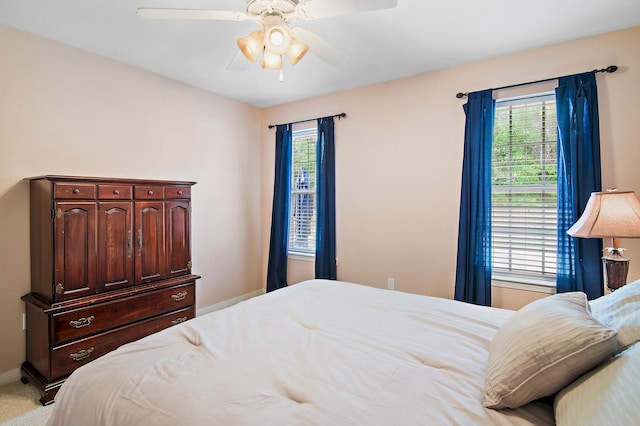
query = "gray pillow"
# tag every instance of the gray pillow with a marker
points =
(542, 348)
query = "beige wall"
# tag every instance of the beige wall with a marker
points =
(399, 156)
(63, 111)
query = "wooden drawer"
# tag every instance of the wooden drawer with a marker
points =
(148, 192)
(66, 358)
(87, 321)
(115, 192)
(74, 191)
(180, 192)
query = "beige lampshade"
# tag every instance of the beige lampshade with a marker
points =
(296, 51)
(271, 61)
(609, 214)
(252, 45)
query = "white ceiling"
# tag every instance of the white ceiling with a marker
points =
(416, 37)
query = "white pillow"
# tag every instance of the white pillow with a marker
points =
(607, 395)
(544, 347)
(620, 311)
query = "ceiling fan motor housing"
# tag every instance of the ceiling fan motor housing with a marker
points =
(260, 8)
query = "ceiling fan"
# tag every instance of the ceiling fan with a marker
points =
(278, 38)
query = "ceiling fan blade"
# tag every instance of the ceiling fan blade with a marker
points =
(320, 48)
(238, 62)
(220, 15)
(325, 8)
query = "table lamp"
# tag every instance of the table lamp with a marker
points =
(611, 214)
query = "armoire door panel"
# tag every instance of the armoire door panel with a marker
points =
(149, 227)
(177, 234)
(75, 250)
(115, 245)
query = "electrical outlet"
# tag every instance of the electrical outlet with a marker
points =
(391, 283)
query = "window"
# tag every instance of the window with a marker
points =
(524, 190)
(302, 229)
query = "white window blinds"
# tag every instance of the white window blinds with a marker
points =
(302, 228)
(524, 188)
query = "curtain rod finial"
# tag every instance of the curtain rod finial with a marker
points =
(460, 95)
(609, 69)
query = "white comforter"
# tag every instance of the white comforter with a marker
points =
(315, 353)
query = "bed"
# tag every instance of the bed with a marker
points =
(315, 353)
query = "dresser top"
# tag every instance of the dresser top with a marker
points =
(61, 178)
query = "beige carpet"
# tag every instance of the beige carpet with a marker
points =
(19, 405)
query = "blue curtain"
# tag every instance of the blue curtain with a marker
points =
(579, 265)
(473, 270)
(326, 201)
(278, 244)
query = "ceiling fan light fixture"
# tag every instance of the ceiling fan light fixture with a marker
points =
(296, 51)
(276, 17)
(271, 61)
(251, 46)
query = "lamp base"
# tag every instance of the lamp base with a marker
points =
(615, 269)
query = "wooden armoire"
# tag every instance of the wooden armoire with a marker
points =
(110, 264)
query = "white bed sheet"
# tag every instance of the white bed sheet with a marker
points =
(315, 353)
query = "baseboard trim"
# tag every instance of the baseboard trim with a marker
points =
(10, 376)
(228, 302)
(14, 375)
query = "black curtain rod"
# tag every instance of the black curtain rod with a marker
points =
(610, 68)
(341, 115)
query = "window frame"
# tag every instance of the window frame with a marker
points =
(293, 252)
(534, 281)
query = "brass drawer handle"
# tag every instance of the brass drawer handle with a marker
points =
(179, 297)
(116, 192)
(76, 191)
(150, 192)
(179, 320)
(180, 192)
(82, 354)
(82, 322)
